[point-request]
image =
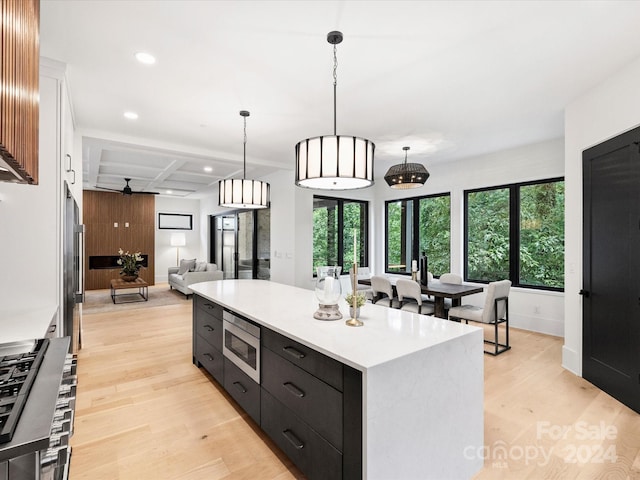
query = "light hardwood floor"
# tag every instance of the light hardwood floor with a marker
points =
(144, 411)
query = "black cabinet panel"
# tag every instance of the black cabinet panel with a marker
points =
(317, 403)
(208, 306)
(210, 358)
(306, 448)
(317, 364)
(209, 328)
(243, 390)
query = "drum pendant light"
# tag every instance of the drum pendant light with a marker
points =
(334, 162)
(406, 175)
(243, 193)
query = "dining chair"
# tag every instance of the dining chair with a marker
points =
(363, 272)
(494, 312)
(428, 298)
(383, 291)
(410, 297)
(451, 278)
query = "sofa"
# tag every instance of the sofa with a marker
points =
(190, 272)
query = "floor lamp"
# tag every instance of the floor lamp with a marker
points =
(178, 240)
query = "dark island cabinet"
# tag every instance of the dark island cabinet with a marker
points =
(312, 408)
(207, 337)
(243, 390)
(308, 403)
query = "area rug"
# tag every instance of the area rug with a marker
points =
(99, 301)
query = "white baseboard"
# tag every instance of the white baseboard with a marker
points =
(571, 360)
(538, 324)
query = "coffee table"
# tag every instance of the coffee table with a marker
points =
(142, 295)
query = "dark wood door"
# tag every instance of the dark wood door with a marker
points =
(611, 283)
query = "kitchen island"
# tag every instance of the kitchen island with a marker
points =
(421, 377)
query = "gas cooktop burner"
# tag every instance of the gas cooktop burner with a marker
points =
(17, 373)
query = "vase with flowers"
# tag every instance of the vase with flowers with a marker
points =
(360, 301)
(130, 265)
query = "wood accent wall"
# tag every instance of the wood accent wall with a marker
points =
(19, 78)
(101, 210)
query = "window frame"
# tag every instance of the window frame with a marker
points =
(415, 225)
(514, 232)
(363, 238)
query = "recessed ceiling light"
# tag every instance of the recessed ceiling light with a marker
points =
(169, 192)
(131, 115)
(208, 169)
(145, 58)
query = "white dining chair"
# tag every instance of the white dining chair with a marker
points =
(383, 291)
(451, 278)
(363, 272)
(494, 312)
(410, 297)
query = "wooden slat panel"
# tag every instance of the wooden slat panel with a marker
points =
(100, 211)
(19, 77)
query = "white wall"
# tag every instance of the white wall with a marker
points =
(195, 246)
(30, 218)
(292, 213)
(606, 111)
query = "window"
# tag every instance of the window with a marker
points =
(416, 225)
(334, 223)
(516, 232)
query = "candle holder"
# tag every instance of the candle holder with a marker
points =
(328, 290)
(353, 321)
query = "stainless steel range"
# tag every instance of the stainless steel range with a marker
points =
(37, 399)
(17, 373)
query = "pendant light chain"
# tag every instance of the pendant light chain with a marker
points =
(335, 84)
(244, 149)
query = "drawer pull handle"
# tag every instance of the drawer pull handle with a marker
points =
(295, 441)
(208, 328)
(208, 305)
(294, 353)
(291, 388)
(209, 357)
(240, 387)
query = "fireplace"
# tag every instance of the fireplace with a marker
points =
(104, 262)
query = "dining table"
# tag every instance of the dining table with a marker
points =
(439, 291)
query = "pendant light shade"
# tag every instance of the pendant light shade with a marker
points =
(243, 193)
(334, 162)
(406, 175)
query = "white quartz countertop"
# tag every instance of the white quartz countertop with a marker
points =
(387, 334)
(25, 324)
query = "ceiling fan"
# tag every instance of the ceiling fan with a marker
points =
(127, 189)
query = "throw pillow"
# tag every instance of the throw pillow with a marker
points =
(186, 265)
(201, 267)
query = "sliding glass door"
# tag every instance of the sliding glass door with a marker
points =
(241, 243)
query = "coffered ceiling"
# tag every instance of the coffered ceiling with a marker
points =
(450, 79)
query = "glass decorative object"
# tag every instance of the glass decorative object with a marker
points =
(328, 291)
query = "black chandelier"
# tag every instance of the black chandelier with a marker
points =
(406, 175)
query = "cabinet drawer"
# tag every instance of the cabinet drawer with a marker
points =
(210, 358)
(243, 390)
(315, 402)
(209, 328)
(306, 448)
(317, 364)
(208, 306)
